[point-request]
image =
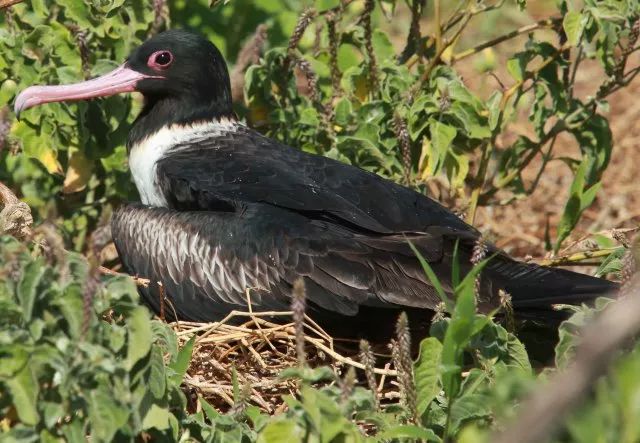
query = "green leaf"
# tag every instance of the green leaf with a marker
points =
(77, 11)
(344, 111)
(427, 372)
(323, 5)
(31, 277)
(572, 23)
(181, 363)
(433, 278)
(140, 336)
(467, 407)
(157, 379)
(211, 412)
(23, 388)
(157, 418)
(309, 117)
(408, 431)
(518, 355)
(71, 306)
(308, 375)
(382, 46)
(459, 332)
(282, 430)
(579, 199)
(442, 136)
(106, 416)
(516, 67)
(493, 105)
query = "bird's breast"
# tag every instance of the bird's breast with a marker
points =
(144, 155)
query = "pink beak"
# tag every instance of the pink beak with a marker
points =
(121, 79)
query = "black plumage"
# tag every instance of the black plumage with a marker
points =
(238, 215)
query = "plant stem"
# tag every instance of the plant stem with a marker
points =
(437, 11)
(437, 57)
(480, 179)
(496, 41)
(8, 3)
(578, 257)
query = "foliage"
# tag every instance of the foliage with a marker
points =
(338, 87)
(410, 116)
(120, 377)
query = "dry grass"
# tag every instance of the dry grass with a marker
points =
(260, 346)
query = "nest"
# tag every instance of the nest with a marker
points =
(259, 346)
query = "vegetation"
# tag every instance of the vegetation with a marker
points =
(80, 356)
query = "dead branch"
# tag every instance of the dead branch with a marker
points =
(139, 281)
(15, 217)
(7, 3)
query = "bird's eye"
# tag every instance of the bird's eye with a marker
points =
(160, 60)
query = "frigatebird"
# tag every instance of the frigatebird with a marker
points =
(226, 209)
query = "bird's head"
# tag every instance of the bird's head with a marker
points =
(181, 74)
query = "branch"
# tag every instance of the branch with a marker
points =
(15, 217)
(139, 281)
(496, 41)
(542, 412)
(577, 257)
(7, 3)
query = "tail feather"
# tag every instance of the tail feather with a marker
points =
(538, 287)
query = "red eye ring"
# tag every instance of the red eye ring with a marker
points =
(160, 60)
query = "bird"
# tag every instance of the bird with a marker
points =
(229, 218)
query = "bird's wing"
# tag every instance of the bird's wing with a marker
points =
(207, 260)
(224, 170)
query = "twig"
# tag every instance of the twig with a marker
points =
(577, 257)
(542, 412)
(139, 281)
(161, 296)
(437, 14)
(503, 38)
(437, 58)
(15, 216)
(6, 3)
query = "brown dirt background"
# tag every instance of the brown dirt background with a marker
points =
(519, 227)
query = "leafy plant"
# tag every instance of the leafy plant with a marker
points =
(331, 81)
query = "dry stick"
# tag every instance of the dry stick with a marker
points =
(496, 41)
(161, 296)
(139, 281)
(577, 257)
(437, 12)
(437, 57)
(6, 3)
(541, 413)
(15, 216)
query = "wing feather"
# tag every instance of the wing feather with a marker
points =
(207, 260)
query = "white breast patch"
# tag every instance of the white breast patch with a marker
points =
(145, 154)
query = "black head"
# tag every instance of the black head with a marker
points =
(181, 74)
(187, 81)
